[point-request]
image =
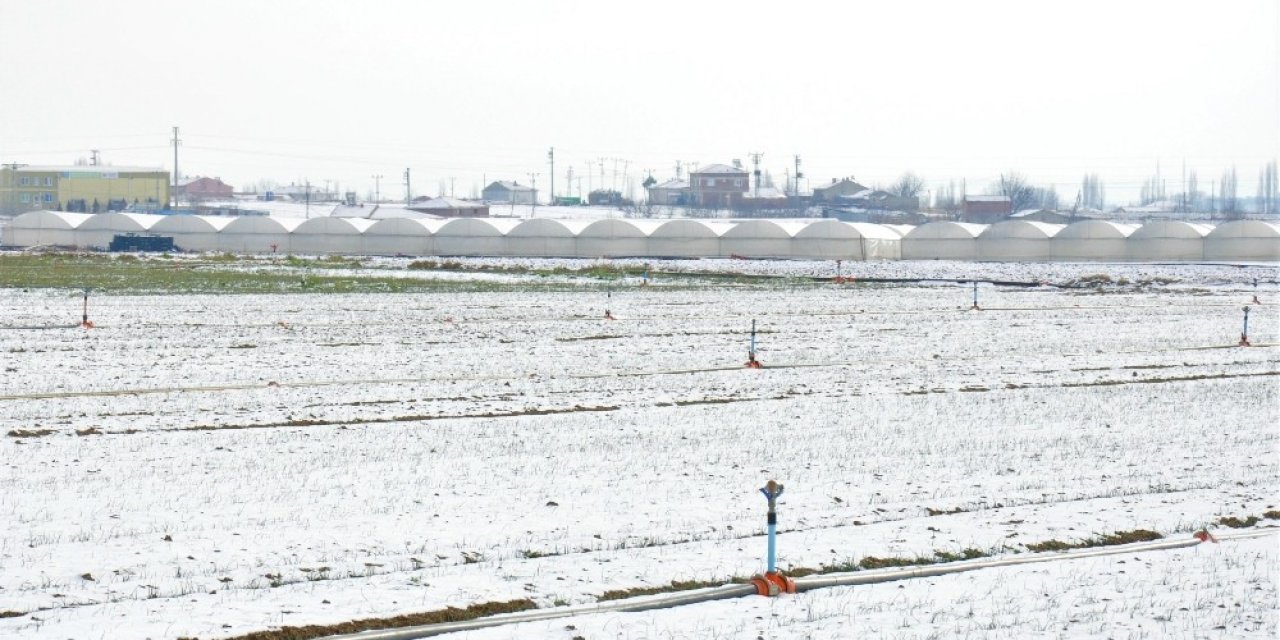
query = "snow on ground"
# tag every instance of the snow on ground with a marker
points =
(1226, 590)
(220, 464)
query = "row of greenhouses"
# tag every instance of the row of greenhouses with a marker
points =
(821, 239)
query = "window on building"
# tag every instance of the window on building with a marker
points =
(26, 197)
(48, 197)
(737, 182)
(24, 181)
(708, 182)
(48, 181)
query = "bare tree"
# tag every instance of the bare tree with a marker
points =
(1227, 193)
(948, 201)
(908, 185)
(1020, 192)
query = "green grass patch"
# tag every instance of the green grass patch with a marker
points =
(1106, 540)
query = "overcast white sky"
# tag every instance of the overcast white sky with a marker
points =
(480, 89)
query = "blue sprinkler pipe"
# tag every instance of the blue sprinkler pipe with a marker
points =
(975, 294)
(1244, 334)
(771, 491)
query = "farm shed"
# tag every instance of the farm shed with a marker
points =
(759, 239)
(684, 238)
(1017, 241)
(474, 237)
(545, 237)
(1168, 240)
(401, 237)
(1092, 240)
(192, 233)
(613, 238)
(836, 240)
(257, 234)
(329, 235)
(36, 228)
(942, 241)
(1243, 240)
(100, 228)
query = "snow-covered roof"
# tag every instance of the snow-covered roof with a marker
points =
(453, 203)
(510, 186)
(1246, 229)
(987, 199)
(92, 168)
(50, 220)
(672, 184)
(1097, 229)
(947, 229)
(718, 169)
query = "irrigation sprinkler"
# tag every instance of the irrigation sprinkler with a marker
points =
(1255, 292)
(608, 300)
(772, 582)
(752, 363)
(645, 282)
(84, 318)
(1244, 334)
(839, 272)
(975, 306)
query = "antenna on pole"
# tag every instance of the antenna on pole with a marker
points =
(551, 157)
(176, 142)
(755, 161)
(408, 191)
(377, 187)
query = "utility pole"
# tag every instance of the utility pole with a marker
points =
(551, 157)
(533, 184)
(450, 186)
(797, 175)
(408, 192)
(175, 167)
(308, 183)
(377, 188)
(570, 180)
(755, 161)
(93, 157)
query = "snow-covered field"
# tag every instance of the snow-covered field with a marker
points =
(213, 465)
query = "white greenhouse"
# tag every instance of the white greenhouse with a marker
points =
(1243, 240)
(192, 233)
(835, 240)
(1017, 241)
(759, 239)
(545, 238)
(401, 237)
(100, 228)
(257, 234)
(474, 237)
(613, 238)
(1092, 241)
(685, 238)
(942, 241)
(328, 235)
(44, 228)
(1168, 240)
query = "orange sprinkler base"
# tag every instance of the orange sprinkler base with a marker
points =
(773, 583)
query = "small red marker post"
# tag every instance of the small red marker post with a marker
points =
(752, 363)
(84, 318)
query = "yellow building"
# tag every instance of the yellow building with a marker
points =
(81, 188)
